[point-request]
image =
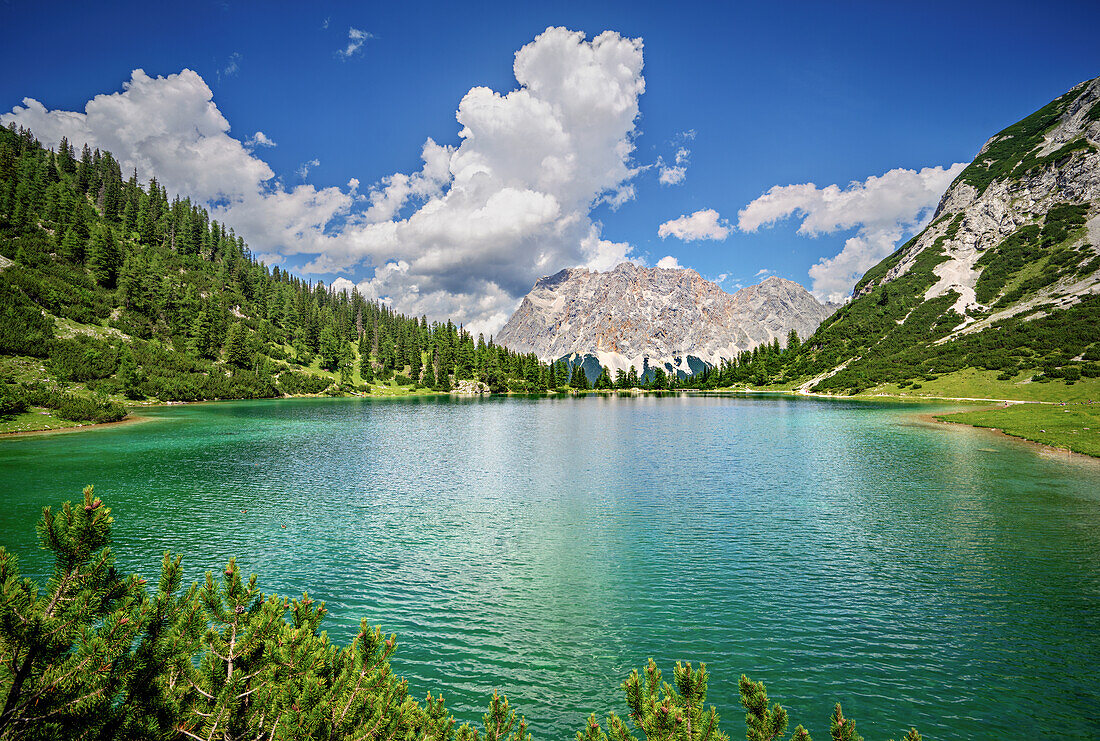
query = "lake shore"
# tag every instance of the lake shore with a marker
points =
(1038, 425)
(129, 419)
(50, 424)
(1044, 425)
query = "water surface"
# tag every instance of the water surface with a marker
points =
(840, 551)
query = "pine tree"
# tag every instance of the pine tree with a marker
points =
(74, 653)
(764, 722)
(660, 711)
(500, 723)
(105, 257)
(912, 735)
(841, 728)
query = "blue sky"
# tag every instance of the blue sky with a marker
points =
(759, 96)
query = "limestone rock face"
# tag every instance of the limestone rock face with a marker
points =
(1066, 169)
(655, 317)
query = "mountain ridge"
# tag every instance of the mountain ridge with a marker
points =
(634, 315)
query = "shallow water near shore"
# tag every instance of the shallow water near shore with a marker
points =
(920, 574)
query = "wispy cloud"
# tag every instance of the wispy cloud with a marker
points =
(305, 167)
(674, 174)
(232, 67)
(671, 174)
(356, 38)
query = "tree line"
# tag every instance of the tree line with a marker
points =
(155, 299)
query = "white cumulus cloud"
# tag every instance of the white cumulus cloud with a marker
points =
(882, 208)
(704, 224)
(671, 174)
(669, 262)
(466, 235)
(512, 201)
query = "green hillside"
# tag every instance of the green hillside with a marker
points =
(112, 294)
(998, 297)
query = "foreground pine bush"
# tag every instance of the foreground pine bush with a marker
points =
(94, 654)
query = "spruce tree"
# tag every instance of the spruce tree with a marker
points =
(578, 379)
(105, 257)
(128, 376)
(331, 347)
(345, 365)
(236, 346)
(604, 381)
(72, 246)
(366, 368)
(203, 334)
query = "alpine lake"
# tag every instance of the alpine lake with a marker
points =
(921, 574)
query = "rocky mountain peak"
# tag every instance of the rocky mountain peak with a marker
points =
(635, 315)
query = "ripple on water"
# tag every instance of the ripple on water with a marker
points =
(547, 547)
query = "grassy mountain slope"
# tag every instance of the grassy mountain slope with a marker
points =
(1002, 286)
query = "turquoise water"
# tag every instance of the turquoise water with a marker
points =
(840, 551)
